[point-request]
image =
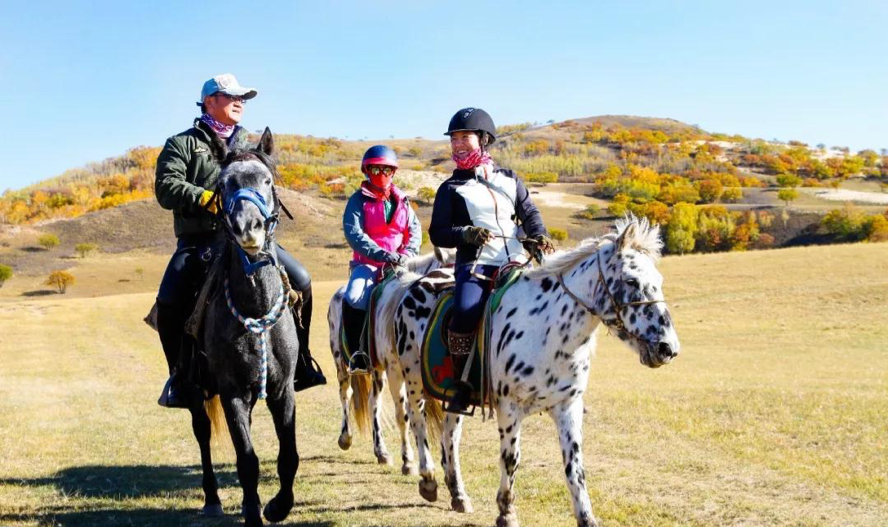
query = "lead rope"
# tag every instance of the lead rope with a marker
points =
(260, 327)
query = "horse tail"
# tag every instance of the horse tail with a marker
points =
(360, 401)
(434, 415)
(218, 425)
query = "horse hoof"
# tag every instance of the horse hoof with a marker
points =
(409, 469)
(212, 511)
(587, 521)
(463, 505)
(275, 511)
(508, 520)
(428, 489)
(345, 442)
(384, 459)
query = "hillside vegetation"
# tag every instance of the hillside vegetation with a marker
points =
(704, 188)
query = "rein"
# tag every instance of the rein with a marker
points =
(260, 326)
(618, 307)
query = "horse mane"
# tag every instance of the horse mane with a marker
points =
(644, 238)
(420, 261)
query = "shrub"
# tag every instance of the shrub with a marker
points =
(5, 273)
(48, 241)
(710, 190)
(542, 177)
(788, 180)
(732, 195)
(786, 195)
(60, 280)
(876, 228)
(426, 194)
(558, 235)
(140, 272)
(847, 222)
(85, 248)
(590, 212)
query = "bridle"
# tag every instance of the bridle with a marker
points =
(271, 218)
(618, 307)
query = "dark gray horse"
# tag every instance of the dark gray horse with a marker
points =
(248, 336)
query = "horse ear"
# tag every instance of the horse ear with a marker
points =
(266, 142)
(628, 234)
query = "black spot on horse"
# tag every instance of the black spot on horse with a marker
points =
(546, 284)
(418, 295)
(509, 363)
(511, 312)
(423, 312)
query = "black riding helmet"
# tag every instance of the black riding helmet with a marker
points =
(474, 120)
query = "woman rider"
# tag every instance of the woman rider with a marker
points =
(381, 228)
(187, 170)
(479, 210)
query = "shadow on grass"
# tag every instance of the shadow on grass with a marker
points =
(140, 481)
(39, 292)
(32, 249)
(142, 517)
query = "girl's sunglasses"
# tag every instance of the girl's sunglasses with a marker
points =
(380, 169)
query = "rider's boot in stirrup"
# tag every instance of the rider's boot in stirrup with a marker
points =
(460, 345)
(353, 318)
(308, 372)
(170, 328)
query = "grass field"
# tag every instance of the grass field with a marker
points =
(774, 414)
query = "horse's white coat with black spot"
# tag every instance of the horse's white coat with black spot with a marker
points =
(542, 339)
(391, 295)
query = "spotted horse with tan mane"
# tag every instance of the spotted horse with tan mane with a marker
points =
(540, 340)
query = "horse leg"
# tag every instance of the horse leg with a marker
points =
(428, 487)
(569, 419)
(200, 424)
(459, 500)
(237, 414)
(345, 393)
(399, 396)
(509, 421)
(379, 449)
(283, 412)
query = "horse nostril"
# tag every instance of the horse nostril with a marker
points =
(665, 350)
(256, 225)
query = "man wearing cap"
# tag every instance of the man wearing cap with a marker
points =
(187, 169)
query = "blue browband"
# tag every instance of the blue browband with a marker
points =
(252, 195)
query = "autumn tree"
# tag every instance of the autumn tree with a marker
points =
(681, 228)
(85, 248)
(5, 273)
(60, 280)
(787, 195)
(426, 194)
(48, 241)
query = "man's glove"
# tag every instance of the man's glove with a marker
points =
(476, 235)
(208, 201)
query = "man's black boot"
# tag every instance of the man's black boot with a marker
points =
(308, 372)
(170, 328)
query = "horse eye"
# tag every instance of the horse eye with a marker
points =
(267, 182)
(632, 282)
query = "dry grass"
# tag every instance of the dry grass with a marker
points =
(772, 415)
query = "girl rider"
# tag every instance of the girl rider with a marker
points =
(381, 228)
(479, 210)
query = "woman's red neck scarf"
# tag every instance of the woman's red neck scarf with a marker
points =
(376, 192)
(473, 159)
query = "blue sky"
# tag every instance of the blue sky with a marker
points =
(88, 80)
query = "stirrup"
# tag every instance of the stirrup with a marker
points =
(352, 370)
(464, 390)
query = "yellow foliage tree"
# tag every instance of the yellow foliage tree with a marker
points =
(60, 280)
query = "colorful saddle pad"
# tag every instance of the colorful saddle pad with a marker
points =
(437, 366)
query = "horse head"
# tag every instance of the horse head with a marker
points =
(250, 204)
(629, 294)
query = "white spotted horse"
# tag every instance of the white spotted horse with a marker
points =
(540, 340)
(360, 394)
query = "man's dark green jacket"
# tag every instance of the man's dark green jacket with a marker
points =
(189, 164)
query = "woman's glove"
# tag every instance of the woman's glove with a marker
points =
(540, 243)
(476, 235)
(397, 259)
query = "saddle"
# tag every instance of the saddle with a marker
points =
(438, 375)
(369, 327)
